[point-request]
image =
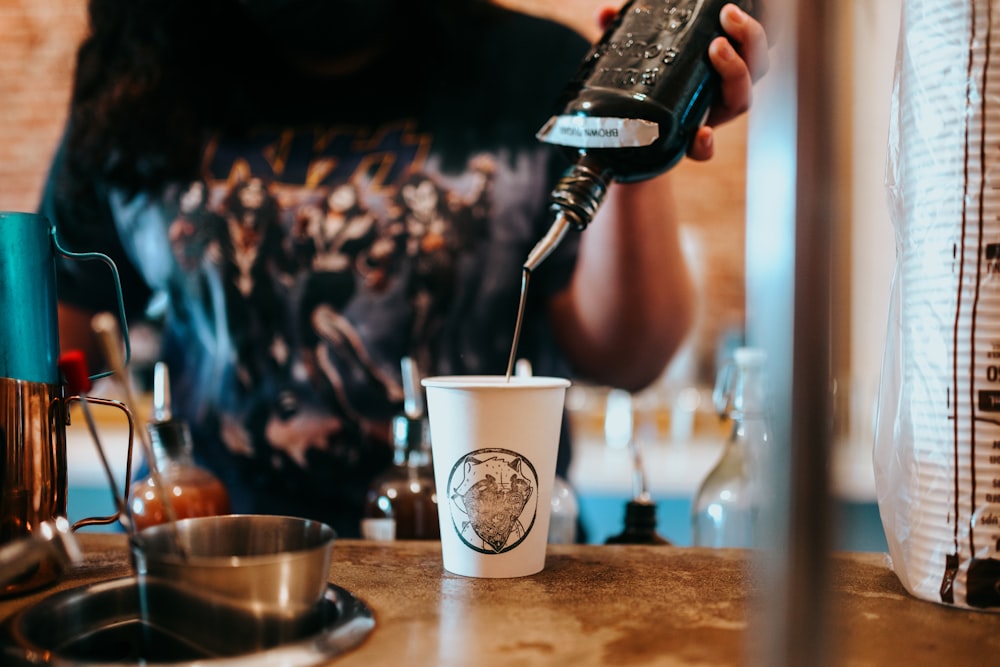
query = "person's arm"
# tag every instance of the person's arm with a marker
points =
(629, 303)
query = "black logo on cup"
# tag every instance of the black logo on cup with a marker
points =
(493, 496)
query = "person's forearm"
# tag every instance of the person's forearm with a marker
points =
(630, 302)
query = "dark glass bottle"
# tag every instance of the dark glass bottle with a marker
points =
(192, 490)
(640, 525)
(402, 502)
(637, 99)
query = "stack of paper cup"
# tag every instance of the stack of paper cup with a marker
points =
(937, 455)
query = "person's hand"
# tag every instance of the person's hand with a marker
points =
(741, 58)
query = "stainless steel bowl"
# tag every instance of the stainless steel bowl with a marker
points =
(127, 623)
(267, 565)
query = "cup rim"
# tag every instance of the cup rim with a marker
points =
(494, 382)
(325, 538)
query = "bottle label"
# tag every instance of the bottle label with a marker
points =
(599, 132)
(380, 530)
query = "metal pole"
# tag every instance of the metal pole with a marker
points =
(790, 211)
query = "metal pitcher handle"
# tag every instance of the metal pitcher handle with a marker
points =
(85, 256)
(121, 501)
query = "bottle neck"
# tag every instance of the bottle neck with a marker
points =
(410, 442)
(748, 413)
(748, 442)
(171, 441)
(640, 516)
(579, 193)
(740, 392)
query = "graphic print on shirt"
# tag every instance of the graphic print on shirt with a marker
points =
(320, 268)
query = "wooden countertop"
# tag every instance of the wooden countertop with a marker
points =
(604, 605)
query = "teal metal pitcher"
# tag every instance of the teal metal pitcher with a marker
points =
(33, 401)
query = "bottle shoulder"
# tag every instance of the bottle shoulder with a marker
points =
(638, 537)
(175, 471)
(405, 475)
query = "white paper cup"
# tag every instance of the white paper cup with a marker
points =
(494, 446)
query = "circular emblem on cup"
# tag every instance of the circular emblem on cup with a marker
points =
(493, 497)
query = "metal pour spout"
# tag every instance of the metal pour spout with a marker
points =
(575, 201)
(548, 242)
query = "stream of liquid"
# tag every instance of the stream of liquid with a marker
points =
(525, 276)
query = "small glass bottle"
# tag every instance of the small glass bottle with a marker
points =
(565, 512)
(401, 503)
(192, 490)
(727, 504)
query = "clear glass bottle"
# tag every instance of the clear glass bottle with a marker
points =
(727, 504)
(401, 503)
(565, 512)
(193, 490)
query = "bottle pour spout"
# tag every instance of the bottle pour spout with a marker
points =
(575, 201)
(548, 243)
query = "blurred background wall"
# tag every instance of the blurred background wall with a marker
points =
(39, 43)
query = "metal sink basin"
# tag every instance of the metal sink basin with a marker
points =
(105, 623)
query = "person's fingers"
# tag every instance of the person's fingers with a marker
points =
(702, 147)
(740, 58)
(605, 15)
(735, 86)
(749, 37)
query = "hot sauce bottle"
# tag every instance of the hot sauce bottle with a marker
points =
(191, 489)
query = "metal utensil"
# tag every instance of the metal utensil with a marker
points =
(52, 540)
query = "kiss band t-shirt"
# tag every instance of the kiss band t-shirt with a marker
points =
(339, 234)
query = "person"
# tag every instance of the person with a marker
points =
(429, 111)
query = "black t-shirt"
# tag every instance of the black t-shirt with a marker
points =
(357, 222)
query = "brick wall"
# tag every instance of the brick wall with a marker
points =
(39, 41)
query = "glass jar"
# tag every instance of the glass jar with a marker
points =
(188, 489)
(193, 491)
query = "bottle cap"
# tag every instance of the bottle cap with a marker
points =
(749, 356)
(640, 514)
(170, 437)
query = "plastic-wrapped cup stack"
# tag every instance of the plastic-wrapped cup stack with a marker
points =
(937, 456)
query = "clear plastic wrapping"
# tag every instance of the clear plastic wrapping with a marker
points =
(937, 449)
